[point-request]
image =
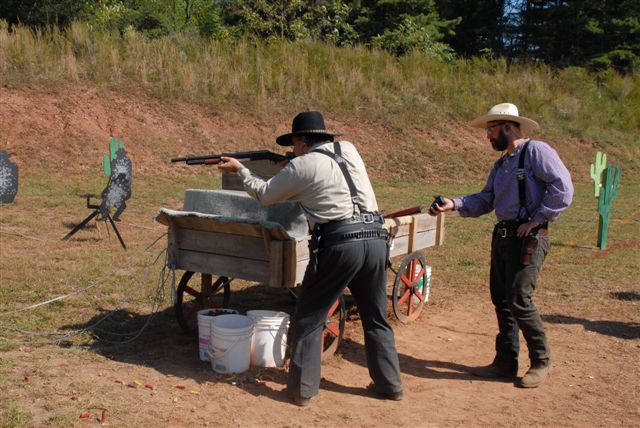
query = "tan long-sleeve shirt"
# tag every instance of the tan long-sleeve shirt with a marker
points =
(317, 183)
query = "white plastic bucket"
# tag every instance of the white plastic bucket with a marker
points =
(269, 343)
(204, 329)
(424, 287)
(230, 344)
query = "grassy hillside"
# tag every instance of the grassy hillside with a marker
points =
(418, 101)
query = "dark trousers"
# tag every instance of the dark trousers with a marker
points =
(512, 286)
(360, 265)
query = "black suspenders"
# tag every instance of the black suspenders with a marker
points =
(522, 191)
(337, 156)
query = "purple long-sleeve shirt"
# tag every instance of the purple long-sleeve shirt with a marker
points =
(549, 189)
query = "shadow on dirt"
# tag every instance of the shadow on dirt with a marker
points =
(162, 345)
(430, 369)
(622, 330)
(89, 226)
(625, 295)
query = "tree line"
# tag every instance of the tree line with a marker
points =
(597, 34)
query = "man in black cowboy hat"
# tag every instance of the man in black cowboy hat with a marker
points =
(528, 188)
(348, 249)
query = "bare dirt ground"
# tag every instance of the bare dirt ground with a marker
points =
(594, 381)
(158, 379)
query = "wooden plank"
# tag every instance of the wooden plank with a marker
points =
(215, 264)
(289, 260)
(301, 268)
(266, 239)
(302, 249)
(412, 236)
(401, 230)
(212, 225)
(422, 240)
(172, 245)
(425, 222)
(440, 230)
(425, 239)
(275, 263)
(223, 244)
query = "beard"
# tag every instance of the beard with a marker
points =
(500, 144)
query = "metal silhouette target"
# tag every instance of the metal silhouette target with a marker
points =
(8, 178)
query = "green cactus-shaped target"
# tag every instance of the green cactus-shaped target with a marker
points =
(605, 200)
(596, 171)
(113, 148)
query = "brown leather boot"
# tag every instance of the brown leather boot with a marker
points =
(495, 371)
(536, 375)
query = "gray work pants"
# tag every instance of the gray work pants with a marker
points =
(359, 265)
(512, 285)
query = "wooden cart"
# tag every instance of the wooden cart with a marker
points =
(225, 234)
(412, 283)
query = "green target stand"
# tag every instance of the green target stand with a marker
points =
(606, 181)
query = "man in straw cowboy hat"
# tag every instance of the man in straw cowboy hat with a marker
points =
(348, 248)
(528, 188)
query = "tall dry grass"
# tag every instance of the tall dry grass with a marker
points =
(264, 77)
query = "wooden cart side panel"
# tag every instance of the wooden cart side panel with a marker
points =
(276, 265)
(301, 261)
(425, 222)
(220, 265)
(289, 263)
(411, 237)
(225, 244)
(301, 268)
(440, 229)
(421, 240)
(203, 224)
(172, 246)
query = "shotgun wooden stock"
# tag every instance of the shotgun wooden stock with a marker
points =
(408, 211)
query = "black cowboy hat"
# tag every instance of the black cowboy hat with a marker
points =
(305, 123)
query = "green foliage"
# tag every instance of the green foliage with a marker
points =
(413, 35)
(619, 59)
(581, 32)
(42, 13)
(480, 28)
(403, 26)
(266, 19)
(331, 21)
(592, 33)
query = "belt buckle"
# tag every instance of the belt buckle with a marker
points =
(502, 232)
(367, 218)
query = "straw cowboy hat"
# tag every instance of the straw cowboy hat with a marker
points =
(305, 123)
(507, 112)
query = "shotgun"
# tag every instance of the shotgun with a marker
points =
(408, 211)
(241, 156)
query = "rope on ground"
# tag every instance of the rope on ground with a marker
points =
(97, 282)
(158, 298)
(8, 230)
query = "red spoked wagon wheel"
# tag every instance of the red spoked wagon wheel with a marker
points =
(411, 288)
(333, 328)
(189, 301)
